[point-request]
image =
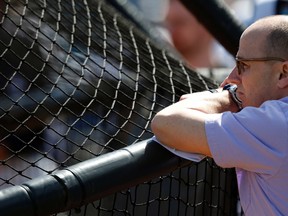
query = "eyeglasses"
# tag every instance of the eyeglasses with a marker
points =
(241, 66)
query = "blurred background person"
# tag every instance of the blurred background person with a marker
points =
(197, 46)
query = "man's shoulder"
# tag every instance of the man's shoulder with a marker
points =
(285, 99)
(281, 104)
(270, 113)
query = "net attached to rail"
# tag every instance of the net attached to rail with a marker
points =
(79, 80)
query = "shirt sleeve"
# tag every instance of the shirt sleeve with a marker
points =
(254, 139)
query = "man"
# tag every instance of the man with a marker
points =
(247, 127)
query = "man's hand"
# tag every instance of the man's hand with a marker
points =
(208, 102)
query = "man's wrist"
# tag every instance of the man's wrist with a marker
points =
(232, 90)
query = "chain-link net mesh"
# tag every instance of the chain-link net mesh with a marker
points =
(79, 80)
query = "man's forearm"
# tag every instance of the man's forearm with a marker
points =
(182, 129)
(182, 125)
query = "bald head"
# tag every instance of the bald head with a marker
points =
(274, 32)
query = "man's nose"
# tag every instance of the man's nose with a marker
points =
(233, 77)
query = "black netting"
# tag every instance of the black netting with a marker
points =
(79, 80)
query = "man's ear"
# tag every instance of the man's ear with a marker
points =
(283, 78)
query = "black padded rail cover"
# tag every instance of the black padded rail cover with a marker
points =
(89, 180)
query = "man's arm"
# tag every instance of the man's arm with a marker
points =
(182, 125)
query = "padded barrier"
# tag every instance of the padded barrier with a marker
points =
(89, 180)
